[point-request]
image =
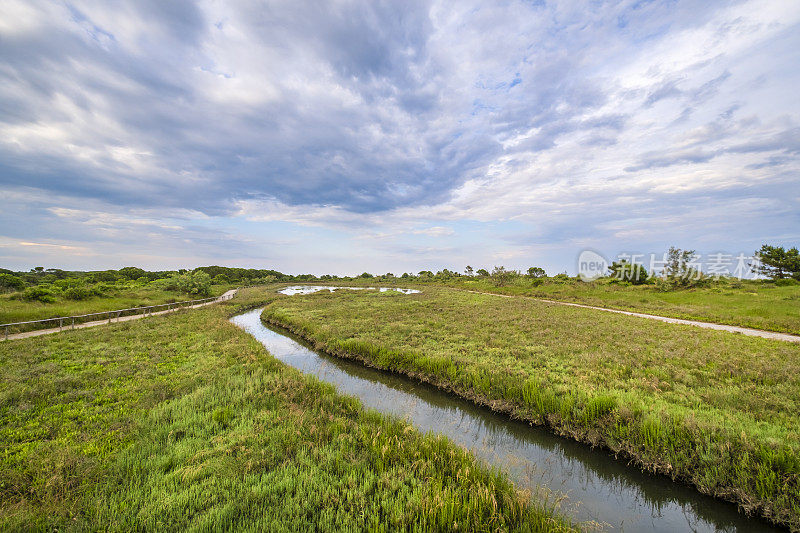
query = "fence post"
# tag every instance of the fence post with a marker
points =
(60, 324)
(73, 322)
(6, 332)
(109, 317)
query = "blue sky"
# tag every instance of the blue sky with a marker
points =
(342, 136)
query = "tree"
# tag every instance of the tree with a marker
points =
(365, 275)
(631, 272)
(536, 272)
(777, 263)
(468, 271)
(446, 274)
(678, 271)
(482, 272)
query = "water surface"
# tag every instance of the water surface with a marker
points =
(308, 289)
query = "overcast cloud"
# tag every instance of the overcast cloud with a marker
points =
(345, 136)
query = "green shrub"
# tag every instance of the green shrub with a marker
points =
(501, 276)
(80, 293)
(196, 283)
(132, 272)
(9, 281)
(786, 282)
(104, 275)
(38, 294)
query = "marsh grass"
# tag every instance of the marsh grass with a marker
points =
(756, 304)
(185, 422)
(13, 310)
(715, 409)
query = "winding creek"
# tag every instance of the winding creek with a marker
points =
(598, 487)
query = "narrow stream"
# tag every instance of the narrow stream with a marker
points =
(598, 487)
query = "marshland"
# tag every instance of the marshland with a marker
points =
(400, 265)
(383, 402)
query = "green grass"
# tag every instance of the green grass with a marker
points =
(12, 310)
(716, 409)
(185, 422)
(748, 303)
(754, 304)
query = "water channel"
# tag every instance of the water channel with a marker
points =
(598, 487)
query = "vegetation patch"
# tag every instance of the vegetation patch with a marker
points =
(184, 422)
(715, 409)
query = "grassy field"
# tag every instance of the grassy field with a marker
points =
(748, 303)
(716, 409)
(755, 304)
(185, 422)
(13, 310)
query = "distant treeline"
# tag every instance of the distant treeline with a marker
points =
(39, 275)
(774, 262)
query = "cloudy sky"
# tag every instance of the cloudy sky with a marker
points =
(345, 136)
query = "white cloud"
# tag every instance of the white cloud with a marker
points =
(381, 125)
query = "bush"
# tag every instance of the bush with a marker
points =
(104, 275)
(9, 281)
(38, 294)
(196, 283)
(501, 276)
(80, 293)
(786, 282)
(67, 283)
(132, 273)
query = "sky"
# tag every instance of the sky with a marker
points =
(345, 136)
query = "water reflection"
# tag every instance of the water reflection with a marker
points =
(308, 289)
(598, 487)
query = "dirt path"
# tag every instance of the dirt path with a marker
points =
(226, 296)
(708, 325)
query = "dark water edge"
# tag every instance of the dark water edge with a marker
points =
(595, 486)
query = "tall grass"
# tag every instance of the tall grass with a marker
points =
(714, 409)
(184, 422)
(759, 304)
(13, 310)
